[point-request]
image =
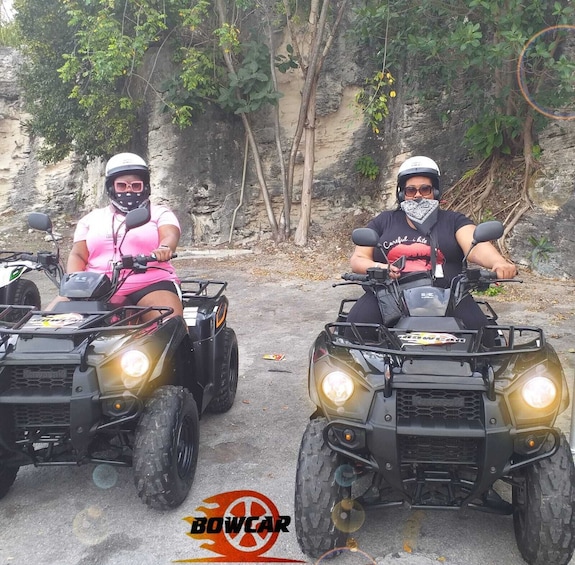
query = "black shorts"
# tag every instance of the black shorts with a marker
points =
(170, 286)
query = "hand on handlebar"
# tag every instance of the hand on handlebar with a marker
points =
(162, 254)
(393, 272)
(504, 270)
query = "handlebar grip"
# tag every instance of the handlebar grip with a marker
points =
(28, 257)
(355, 277)
(488, 275)
(152, 257)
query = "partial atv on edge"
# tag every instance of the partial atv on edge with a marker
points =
(95, 382)
(434, 415)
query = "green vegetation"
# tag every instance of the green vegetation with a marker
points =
(367, 167)
(82, 82)
(541, 248)
(493, 290)
(84, 85)
(373, 98)
(464, 59)
(466, 54)
(8, 34)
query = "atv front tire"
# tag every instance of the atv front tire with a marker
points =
(544, 509)
(317, 493)
(226, 383)
(166, 448)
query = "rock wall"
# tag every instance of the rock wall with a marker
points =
(199, 170)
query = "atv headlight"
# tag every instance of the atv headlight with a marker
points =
(338, 387)
(539, 392)
(135, 364)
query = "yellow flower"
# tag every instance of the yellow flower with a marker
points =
(392, 94)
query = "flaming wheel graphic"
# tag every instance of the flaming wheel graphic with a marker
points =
(255, 543)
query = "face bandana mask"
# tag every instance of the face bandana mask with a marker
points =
(129, 200)
(422, 212)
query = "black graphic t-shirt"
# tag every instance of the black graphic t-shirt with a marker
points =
(399, 238)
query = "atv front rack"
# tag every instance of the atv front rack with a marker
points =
(50, 323)
(384, 340)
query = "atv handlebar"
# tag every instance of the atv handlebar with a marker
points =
(472, 278)
(355, 277)
(138, 261)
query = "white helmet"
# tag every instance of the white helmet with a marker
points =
(124, 164)
(418, 166)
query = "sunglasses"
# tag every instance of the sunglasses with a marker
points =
(123, 186)
(424, 190)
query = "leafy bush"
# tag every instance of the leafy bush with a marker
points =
(367, 167)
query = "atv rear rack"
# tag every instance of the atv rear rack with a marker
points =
(198, 288)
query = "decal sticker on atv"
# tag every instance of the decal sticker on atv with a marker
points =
(430, 338)
(9, 274)
(70, 319)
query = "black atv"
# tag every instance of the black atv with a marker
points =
(97, 382)
(434, 415)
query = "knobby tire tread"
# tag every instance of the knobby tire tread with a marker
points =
(317, 493)
(545, 531)
(155, 469)
(227, 380)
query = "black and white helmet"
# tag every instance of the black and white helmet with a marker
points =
(127, 164)
(418, 167)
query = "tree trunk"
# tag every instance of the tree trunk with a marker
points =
(251, 138)
(311, 74)
(301, 233)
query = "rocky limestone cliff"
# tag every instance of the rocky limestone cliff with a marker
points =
(198, 171)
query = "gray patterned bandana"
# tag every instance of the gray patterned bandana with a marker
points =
(422, 212)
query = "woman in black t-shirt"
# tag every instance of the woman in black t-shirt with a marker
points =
(430, 239)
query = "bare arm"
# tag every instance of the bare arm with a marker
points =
(78, 258)
(362, 259)
(169, 236)
(485, 254)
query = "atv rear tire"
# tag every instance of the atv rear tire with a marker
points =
(544, 509)
(227, 381)
(24, 292)
(317, 493)
(166, 448)
(7, 478)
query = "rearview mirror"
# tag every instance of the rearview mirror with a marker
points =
(137, 217)
(488, 231)
(40, 221)
(366, 237)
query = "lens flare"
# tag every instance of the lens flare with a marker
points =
(345, 475)
(551, 77)
(105, 476)
(348, 515)
(90, 526)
